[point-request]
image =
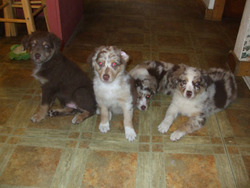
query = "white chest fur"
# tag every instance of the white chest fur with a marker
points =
(114, 94)
(41, 79)
(187, 107)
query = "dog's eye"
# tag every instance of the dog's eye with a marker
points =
(148, 96)
(183, 82)
(114, 64)
(100, 64)
(197, 84)
(33, 44)
(46, 46)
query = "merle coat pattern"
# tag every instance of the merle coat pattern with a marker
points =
(152, 77)
(114, 88)
(198, 94)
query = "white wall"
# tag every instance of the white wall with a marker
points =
(209, 3)
(242, 44)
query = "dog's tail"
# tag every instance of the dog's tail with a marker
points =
(226, 77)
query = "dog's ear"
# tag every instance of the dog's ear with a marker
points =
(25, 42)
(124, 56)
(206, 80)
(178, 70)
(56, 41)
(91, 58)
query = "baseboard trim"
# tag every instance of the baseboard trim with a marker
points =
(247, 81)
(214, 14)
(239, 68)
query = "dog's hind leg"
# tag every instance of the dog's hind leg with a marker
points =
(62, 111)
(80, 117)
(194, 123)
(84, 99)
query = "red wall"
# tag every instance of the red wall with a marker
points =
(64, 16)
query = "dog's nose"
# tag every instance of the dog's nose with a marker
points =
(106, 77)
(143, 107)
(37, 55)
(189, 94)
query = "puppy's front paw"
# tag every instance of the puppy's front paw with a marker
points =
(76, 120)
(163, 127)
(104, 127)
(37, 118)
(176, 135)
(130, 134)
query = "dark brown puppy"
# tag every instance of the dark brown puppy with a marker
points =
(59, 78)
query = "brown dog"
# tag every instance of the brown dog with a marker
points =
(59, 78)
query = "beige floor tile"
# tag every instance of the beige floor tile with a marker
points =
(109, 169)
(239, 170)
(19, 171)
(189, 170)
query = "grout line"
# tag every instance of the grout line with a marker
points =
(151, 130)
(150, 148)
(74, 156)
(227, 154)
(8, 158)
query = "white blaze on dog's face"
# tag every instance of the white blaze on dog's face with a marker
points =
(143, 99)
(145, 89)
(191, 83)
(108, 62)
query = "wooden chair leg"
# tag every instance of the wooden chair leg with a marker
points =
(9, 15)
(10, 28)
(45, 14)
(30, 23)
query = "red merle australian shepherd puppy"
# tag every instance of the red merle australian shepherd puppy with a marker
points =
(152, 77)
(198, 94)
(114, 88)
(59, 78)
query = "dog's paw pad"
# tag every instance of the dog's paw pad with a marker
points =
(163, 128)
(104, 127)
(52, 113)
(176, 135)
(130, 134)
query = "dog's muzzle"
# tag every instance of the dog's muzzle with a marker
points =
(106, 77)
(37, 56)
(189, 94)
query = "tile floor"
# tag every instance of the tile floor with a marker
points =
(55, 153)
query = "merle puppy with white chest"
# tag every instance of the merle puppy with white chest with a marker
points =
(114, 88)
(59, 78)
(198, 94)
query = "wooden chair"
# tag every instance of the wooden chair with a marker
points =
(30, 10)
